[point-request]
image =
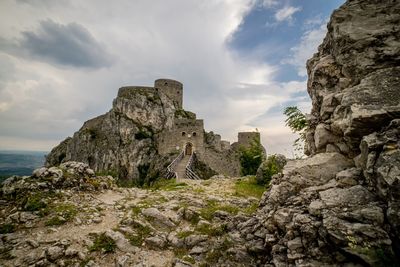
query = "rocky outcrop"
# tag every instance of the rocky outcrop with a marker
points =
(354, 78)
(69, 175)
(340, 206)
(319, 213)
(123, 141)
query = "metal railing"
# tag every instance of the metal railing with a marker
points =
(189, 168)
(171, 167)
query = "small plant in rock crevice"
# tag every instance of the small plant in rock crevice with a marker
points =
(103, 243)
(63, 213)
(7, 228)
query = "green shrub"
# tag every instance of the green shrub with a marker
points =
(209, 230)
(212, 206)
(35, 202)
(273, 165)
(142, 232)
(251, 157)
(7, 228)
(142, 135)
(144, 132)
(103, 243)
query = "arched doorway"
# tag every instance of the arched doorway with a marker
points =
(188, 149)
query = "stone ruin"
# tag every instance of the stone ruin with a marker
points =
(146, 130)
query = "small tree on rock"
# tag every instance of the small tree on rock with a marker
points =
(297, 122)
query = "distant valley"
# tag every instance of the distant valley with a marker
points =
(20, 162)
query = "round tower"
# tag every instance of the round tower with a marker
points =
(173, 89)
(246, 138)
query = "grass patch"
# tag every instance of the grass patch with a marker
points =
(198, 190)
(184, 234)
(251, 209)
(182, 253)
(212, 231)
(135, 240)
(215, 254)
(35, 202)
(38, 201)
(136, 210)
(103, 243)
(147, 203)
(167, 185)
(111, 172)
(7, 228)
(142, 232)
(194, 220)
(248, 187)
(212, 206)
(65, 213)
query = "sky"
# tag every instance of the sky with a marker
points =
(241, 62)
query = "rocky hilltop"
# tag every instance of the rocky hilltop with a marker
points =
(144, 132)
(341, 205)
(122, 141)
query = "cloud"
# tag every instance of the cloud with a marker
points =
(42, 103)
(308, 45)
(70, 45)
(269, 3)
(286, 13)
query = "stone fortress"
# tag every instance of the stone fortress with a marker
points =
(146, 130)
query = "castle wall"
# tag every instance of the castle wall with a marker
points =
(173, 89)
(224, 162)
(245, 139)
(184, 131)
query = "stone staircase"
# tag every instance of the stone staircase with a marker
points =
(180, 169)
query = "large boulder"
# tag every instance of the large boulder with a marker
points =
(354, 78)
(340, 206)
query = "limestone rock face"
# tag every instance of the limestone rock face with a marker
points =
(123, 140)
(340, 206)
(354, 78)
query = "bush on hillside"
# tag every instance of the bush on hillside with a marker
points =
(251, 158)
(272, 165)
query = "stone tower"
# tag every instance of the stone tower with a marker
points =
(173, 89)
(245, 138)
